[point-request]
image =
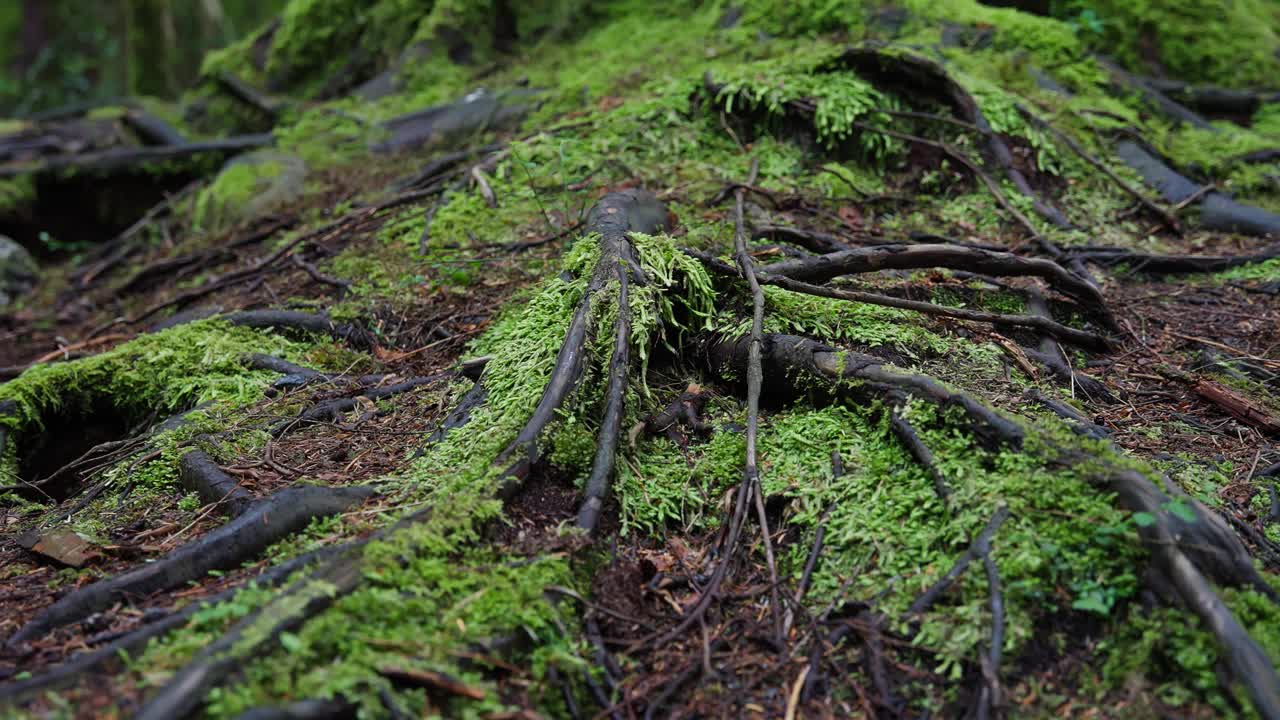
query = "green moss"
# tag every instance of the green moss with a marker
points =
(474, 598)
(246, 187)
(1181, 654)
(1265, 271)
(164, 372)
(1202, 41)
(16, 193)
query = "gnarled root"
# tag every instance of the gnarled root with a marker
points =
(1186, 552)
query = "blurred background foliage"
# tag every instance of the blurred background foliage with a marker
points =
(55, 53)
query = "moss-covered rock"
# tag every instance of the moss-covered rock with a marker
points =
(249, 186)
(18, 270)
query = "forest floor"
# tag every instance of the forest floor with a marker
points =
(429, 275)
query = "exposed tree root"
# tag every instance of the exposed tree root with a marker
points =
(262, 524)
(111, 656)
(1083, 338)
(1213, 100)
(909, 437)
(1183, 551)
(332, 409)
(117, 160)
(199, 473)
(159, 271)
(1154, 96)
(597, 487)
(1217, 211)
(303, 710)
(978, 549)
(821, 268)
(353, 335)
(1050, 355)
(612, 218)
(1137, 262)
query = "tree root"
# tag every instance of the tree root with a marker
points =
(302, 710)
(821, 268)
(1082, 338)
(199, 473)
(124, 160)
(978, 549)
(332, 409)
(1154, 96)
(1051, 355)
(109, 657)
(1182, 550)
(612, 218)
(164, 269)
(352, 335)
(1138, 262)
(263, 523)
(597, 486)
(1217, 211)
(921, 452)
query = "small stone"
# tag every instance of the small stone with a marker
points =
(18, 270)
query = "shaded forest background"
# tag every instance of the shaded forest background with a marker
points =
(59, 52)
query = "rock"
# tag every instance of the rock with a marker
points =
(18, 270)
(249, 186)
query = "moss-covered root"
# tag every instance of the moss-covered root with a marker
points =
(264, 523)
(1188, 544)
(612, 219)
(616, 215)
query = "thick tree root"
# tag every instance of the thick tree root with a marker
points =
(198, 472)
(611, 218)
(308, 597)
(912, 257)
(264, 523)
(1217, 211)
(1154, 96)
(1182, 551)
(597, 487)
(1214, 100)
(1044, 324)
